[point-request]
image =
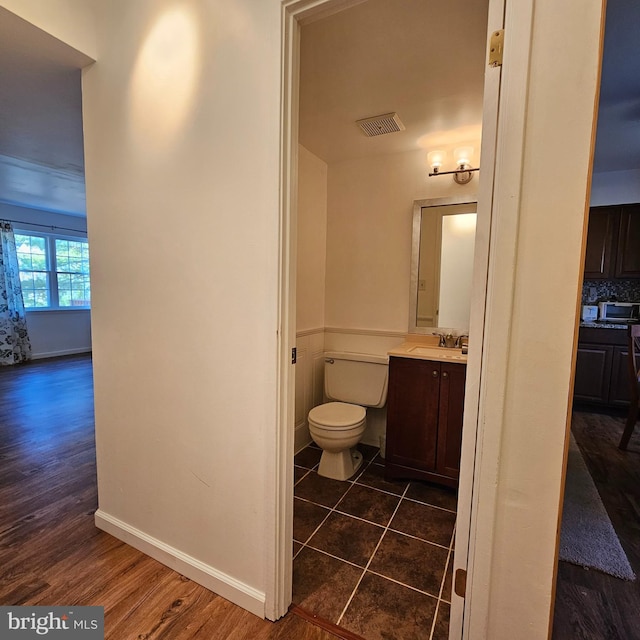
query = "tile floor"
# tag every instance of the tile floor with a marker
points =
(372, 556)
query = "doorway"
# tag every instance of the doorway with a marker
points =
(335, 328)
(601, 600)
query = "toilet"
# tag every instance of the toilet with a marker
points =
(352, 381)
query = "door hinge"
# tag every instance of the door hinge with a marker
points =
(294, 355)
(496, 46)
(460, 583)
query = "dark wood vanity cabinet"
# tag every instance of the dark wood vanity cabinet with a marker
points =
(613, 243)
(424, 420)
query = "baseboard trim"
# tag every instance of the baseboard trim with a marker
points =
(209, 577)
(62, 352)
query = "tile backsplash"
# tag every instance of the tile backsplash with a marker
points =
(594, 291)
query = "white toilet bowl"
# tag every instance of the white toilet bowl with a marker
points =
(336, 427)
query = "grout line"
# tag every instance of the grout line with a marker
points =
(402, 584)
(368, 486)
(326, 553)
(308, 471)
(353, 593)
(442, 583)
(433, 506)
(376, 524)
(435, 544)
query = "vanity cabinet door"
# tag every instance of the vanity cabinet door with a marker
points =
(452, 381)
(424, 420)
(412, 413)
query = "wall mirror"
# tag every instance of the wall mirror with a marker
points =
(444, 232)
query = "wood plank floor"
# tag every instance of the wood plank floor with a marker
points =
(591, 605)
(50, 551)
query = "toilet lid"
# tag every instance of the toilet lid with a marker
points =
(337, 414)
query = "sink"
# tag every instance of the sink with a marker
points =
(437, 353)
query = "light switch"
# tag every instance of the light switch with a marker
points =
(422, 285)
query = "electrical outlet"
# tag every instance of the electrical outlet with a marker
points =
(593, 292)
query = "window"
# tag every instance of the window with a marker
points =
(54, 271)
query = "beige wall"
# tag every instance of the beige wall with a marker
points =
(182, 155)
(369, 222)
(312, 241)
(71, 21)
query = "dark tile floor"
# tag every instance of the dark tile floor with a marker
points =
(372, 556)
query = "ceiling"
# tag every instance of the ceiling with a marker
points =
(423, 59)
(41, 152)
(618, 134)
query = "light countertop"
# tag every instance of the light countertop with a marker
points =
(421, 349)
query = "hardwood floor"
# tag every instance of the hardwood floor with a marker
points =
(591, 605)
(50, 551)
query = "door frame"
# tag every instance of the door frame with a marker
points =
(296, 13)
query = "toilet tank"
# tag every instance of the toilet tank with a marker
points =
(357, 378)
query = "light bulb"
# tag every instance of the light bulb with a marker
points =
(435, 159)
(463, 155)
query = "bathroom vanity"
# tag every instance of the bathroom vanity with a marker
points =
(424, 413)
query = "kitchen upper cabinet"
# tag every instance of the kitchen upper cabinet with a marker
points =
(613, 243)
(628, 262)
(424, 420)
(602, 238)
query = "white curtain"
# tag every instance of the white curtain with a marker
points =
(14, 338)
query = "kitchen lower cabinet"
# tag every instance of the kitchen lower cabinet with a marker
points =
(424, 420)
(602, 369)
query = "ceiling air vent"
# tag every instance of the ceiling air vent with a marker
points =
(378, 125)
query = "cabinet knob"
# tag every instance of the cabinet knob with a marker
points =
(445, 374)
(435, 374)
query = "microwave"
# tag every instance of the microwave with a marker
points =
(619, 311)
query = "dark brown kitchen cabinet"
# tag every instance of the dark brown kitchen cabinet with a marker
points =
(602, 374)
(602, 238)
(593, 373)
(424, 420)
(628, 255)
(613, 243)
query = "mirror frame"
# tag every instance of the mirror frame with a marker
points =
(418, 206)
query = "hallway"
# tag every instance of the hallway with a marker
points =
(50, 551)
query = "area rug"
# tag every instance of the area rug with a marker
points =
(588, 538)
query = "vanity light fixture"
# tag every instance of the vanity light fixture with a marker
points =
(462, 156)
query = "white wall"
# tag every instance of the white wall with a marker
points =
(60, 332)
(182, 171)
(615, 187)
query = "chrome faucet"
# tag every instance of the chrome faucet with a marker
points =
(450, 341)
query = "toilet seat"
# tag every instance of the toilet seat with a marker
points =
(337, 415)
